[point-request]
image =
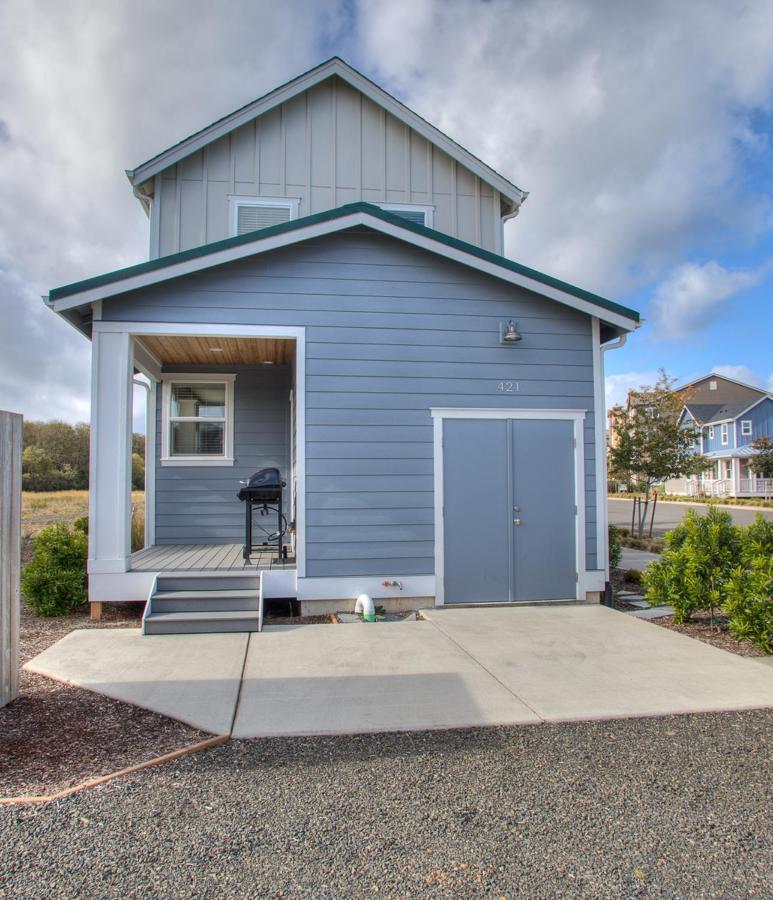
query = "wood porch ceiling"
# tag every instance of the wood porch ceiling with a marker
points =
(216, 351)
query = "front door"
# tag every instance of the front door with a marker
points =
(509, 515)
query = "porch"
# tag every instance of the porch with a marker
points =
(194, 558)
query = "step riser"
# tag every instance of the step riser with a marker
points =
(200, 627)
(208, 583)
(205, 605)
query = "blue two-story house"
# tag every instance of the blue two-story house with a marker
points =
(729, 417)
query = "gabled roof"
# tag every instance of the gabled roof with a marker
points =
(712, 414)
(68, 297)
(695, 381)
(332, 67)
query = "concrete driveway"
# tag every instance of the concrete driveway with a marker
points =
(460, 668)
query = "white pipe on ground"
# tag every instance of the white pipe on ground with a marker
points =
(364, 605)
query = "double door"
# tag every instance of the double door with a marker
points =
(509, 513)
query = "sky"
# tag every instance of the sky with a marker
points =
(642, 131)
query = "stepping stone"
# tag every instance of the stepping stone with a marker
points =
(639, 602)
(654, 612)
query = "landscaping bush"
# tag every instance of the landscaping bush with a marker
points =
(54, 581)
(615, 550)
(699, 557)
(748, 601)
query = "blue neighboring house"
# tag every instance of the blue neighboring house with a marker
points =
(729, 416)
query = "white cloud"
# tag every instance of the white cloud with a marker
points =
(617, 386)
(741, 373)
(628, 122)
(693, 295)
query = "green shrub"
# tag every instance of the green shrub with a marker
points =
(748, 601)
(633, 575)
(615, 550)
(699, 557)
(54, 581)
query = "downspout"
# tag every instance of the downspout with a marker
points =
(148, 412)
(612, 345)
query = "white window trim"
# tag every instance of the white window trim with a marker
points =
(711, 432)
(724, 434)
(429, 211)
(227, 459)
(237, 200)
(746, 427)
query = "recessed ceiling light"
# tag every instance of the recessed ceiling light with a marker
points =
(215, 349)
(268, 362)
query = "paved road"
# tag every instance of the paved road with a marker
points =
(674, 807)
(670, 514)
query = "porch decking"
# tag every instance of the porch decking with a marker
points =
(205, 558)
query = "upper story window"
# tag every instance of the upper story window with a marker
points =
(253, 213)
(724, 433)
(712, 385)
(746, 427)
(711, 432)
(413, 212)
(197, 420)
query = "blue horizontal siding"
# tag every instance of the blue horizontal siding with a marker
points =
(391, 331)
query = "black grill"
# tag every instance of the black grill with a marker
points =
(264, 491)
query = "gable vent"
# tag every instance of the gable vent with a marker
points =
(252, 217)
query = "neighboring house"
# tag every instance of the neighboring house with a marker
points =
(729, 417)
(327, 295)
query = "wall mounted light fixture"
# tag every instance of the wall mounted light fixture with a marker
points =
(508, 333)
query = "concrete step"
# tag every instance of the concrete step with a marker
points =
(205, 601)
(205, 622)
(209, 582)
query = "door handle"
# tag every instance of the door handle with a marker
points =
(516, 521)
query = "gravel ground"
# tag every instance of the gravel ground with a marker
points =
(676, 806)
(54, 736)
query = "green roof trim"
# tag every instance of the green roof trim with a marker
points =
(330, 215)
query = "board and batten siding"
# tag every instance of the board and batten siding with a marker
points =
(198, 504)
(328, 146)
(391, 330)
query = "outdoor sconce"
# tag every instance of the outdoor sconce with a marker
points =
(508, 334)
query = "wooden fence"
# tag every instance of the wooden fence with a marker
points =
(10, 547)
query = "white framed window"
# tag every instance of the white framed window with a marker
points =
(746, 427)
(413, 212)
(728, 468)
(712, 385)
(711, 432)
(723, 432)
(253, 213)
(197, 420)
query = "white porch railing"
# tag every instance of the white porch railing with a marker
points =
(755, 487)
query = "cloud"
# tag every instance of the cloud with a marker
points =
(630, 125)
(628, 122)
(741, 373)
(617, 386)
(693, 295)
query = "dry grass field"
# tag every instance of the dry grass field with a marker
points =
(39, 509)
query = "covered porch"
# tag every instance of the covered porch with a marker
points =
(221, 403)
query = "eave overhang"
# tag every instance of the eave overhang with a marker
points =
(617, 318)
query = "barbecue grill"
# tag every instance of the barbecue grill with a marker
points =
(263, 491)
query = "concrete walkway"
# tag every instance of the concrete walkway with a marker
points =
(631, 558)
(461, 667)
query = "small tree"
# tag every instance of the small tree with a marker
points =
(649, 444)
(762, 462)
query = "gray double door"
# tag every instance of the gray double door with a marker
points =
(509, 515)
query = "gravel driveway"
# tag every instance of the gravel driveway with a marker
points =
(639, 807)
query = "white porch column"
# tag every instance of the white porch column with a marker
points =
(110, 460)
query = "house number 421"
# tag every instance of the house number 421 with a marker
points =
(508, 387)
